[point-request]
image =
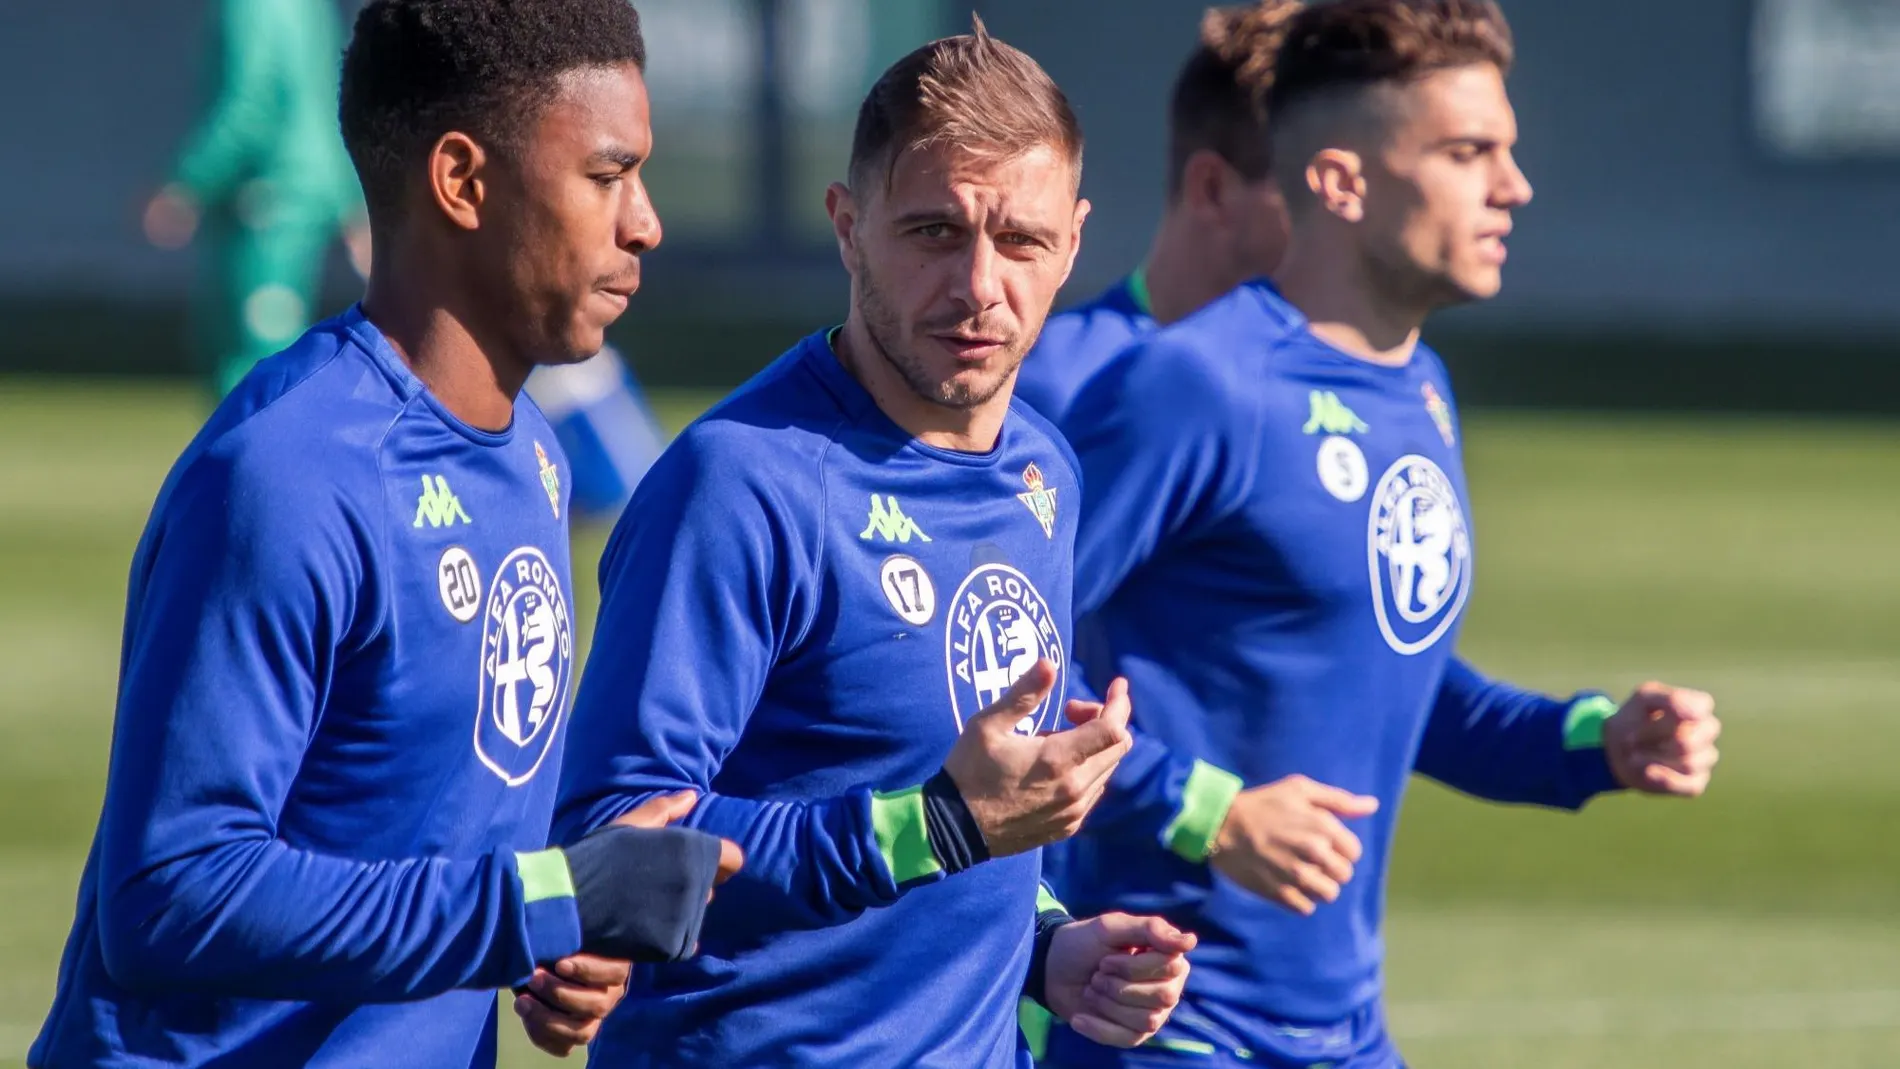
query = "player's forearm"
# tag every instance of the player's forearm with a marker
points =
(259, 919)
(1502, 743)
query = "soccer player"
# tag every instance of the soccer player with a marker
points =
(348, 644)
(266, 176)
(1223, 222)
(838, 608)
(1281, 576)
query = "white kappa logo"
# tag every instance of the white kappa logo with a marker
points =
(527, 659)
(1342, 468)
(908, 588)
(459, 583)
(999, 625)
(1419, 551)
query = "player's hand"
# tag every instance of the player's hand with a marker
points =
(1115, 978)
(666, 809)
(171, 218)
(563, 1009)
(1662, 741)
(1285, 841)
(1028, 791)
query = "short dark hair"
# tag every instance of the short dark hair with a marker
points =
(1220, 97)
(418, 69)
(1336, 51)
(972, 91)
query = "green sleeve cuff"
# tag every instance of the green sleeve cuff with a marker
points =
(1205, 799)
(897, 818)
(1583, 725)
(1046, 901)
(544, 875)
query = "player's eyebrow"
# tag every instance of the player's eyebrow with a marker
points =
(625, 159)
(928, 216)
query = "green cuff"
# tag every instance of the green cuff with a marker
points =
(903, 839)
(1205, 799)
(1583, 725)
(544, 874)
(1046, 901)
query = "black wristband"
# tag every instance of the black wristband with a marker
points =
(1046, 924)
(641, 892)
(954, 835)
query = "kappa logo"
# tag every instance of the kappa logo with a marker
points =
(1419, 551)
(438, 506)
(887, 521)
(998, 626)
(1329, 415)
(527, 662)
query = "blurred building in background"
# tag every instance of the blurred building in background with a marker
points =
(1716, 221)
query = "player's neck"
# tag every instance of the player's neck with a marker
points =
(1344, 310)
(972, 430)
(446, 349)
(1181, 276)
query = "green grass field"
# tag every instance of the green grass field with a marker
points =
(1756, 929)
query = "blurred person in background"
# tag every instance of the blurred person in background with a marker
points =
(610, 434)
(1223, 222)
(1275, 552)
(264, 180)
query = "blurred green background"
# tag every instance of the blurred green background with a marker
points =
(1758, 927)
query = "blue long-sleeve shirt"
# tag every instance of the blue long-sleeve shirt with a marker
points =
(801, 607)
(1276, 551)
(346, 662)
(1076, 343)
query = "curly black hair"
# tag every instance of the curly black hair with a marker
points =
(417, 69)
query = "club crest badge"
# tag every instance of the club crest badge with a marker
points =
(1039, 499)
(1441, 413)
(550, 479)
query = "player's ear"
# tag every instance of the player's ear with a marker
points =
(843, 208)
(457, 182)
(1336, 178)
(1075, 236)
(1204, 179)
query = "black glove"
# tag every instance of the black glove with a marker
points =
(642, 892)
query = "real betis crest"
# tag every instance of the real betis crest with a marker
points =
(1040, 499)
(550, 479)
(1441, 413)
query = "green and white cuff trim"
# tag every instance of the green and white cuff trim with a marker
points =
(544, 875)
(1583, 725)
(897, 818)
(1205, 799)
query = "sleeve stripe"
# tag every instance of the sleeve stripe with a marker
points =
(544, 874)
(1205, 799)
(902, 837)
(1583, 725)
(1046, 901)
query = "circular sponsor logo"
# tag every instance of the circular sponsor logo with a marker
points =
(1419, 550)
(1342, 468)
(908, 588)
(460, 584)
(527, 659)
(998, 626)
